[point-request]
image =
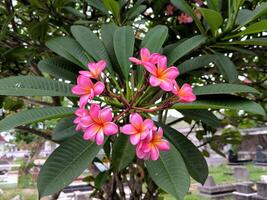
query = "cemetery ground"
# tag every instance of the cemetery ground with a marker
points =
(222, 174)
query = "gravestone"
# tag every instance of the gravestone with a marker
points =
(241, 174)
(261, 158)
(217, 192)
(261, 191)
(244, 191)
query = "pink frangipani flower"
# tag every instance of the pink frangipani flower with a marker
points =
(80, 113)
(87, 89)
(184, 19)
(169, 9)
(149, 149)
(137, 129)
(161, 75)
(146, 58)
(98, 123)
(95, 69)
(185, 93)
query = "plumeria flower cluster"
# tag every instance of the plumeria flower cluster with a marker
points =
(96, 122)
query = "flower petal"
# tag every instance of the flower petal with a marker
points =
(84, 100)
(110, 128)
(171, 72)
(101, 66)
(166, 85)
(91, 132)
(84, 81)
(163, 145)
(78, 90)
(99, 137)
(151, 68)
(148, 124)
(94, 111)
(99, 88)
(105, 115)
(162, 63)
(144, 54)
(154, 58)
(136, 120)
(154, 153)
(86, 73)
(154, 81)
(135, 139)
(135, 60)
(86, 121)
(128, 129)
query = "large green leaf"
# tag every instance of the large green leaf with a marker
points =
(226, 67)
(67, 162)
(246, 16)
(185, 47)
(257, 27)
(135, 11)
(213, 4)
(112, 6)
(158, 33)
(123, 42)
(204, 116)
(59, 68)
(213, 18)
(34, 115)
(224, 88)
(169, 173)
(222, 102)
(98, 5)
(69, 49)
(33, 86)
(194, 161)
(123, 152)
(195, 63)
(107, 34)
(64, 129)
(91, 43)
(184, 6)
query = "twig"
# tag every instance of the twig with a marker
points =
(36, 132)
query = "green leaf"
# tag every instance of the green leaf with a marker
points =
(158, 33)
(169, 173)
(135, 11)
(224, 88)
(91, 43)
(64, 129)
(213, 4)
(213, 18)
(33, 86)
(98, 5)
(222, 102)
(257, 27)
(113, 6)
(194, 161)
(246, 16)
(34, 115)
(185, 7)
(67, 162)
(101, 179)
(204, 116)
(69, 49)
(59, 68)
(123, 42)
(195, 63)
(226, 67)
(123, 152)
(185, 47)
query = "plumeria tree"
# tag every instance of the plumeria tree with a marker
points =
(116, 76)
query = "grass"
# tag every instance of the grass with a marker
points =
(24, 194)
(221, 174)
